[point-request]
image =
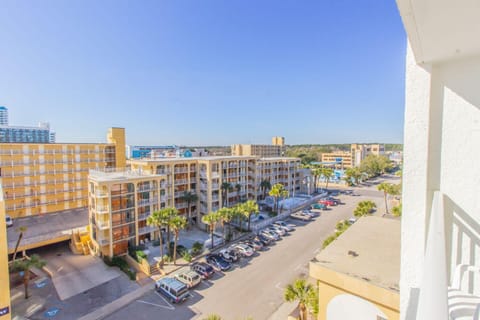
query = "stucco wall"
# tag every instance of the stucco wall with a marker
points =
(441, 152)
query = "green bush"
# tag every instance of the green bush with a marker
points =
(187, 256)
(121, 264)
(197, 248)
(140, 255)
(328, 241)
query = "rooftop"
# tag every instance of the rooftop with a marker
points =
(368, 250)
(119, 174)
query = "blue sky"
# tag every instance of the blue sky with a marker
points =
(205, 72)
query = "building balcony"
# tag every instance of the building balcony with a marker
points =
(146, 229)
(180, 181)
(102, 225)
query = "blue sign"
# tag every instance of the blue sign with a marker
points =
(4, 311)
(52, 312)
(41, 284)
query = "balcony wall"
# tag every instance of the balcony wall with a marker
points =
(441, 152)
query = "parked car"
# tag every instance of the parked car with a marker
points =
(352, 220)
(229, 255)
(172, 289)
(255, 245)
(287, 226)
(203, 269)
(300, 216)
(264, 240)
(189, 277)
(312, 214)
(217, 262)
(244, 249)
(334, 193)
(8, 221)
(327, 202)
(318, 206)
(269, 234)
(277, 230)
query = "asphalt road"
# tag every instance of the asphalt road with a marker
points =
(254, 287)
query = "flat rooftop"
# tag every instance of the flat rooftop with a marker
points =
(368, 250)
(46, 228)
(210, 158)
(99, 175)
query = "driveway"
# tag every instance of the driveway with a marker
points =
(74, 274)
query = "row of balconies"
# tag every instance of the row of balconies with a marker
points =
(35, 194)
(39, 162)
(30, 205)
(53, 152)
(35, 173)
(36, 183)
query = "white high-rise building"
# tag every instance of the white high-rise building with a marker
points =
(3, 116)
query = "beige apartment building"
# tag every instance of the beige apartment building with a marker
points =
(339, 159)
(358, 274)
(120, 202)
(360, 151)
(276, 149)
(41, 178)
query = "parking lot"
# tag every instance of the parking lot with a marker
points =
(254, 286)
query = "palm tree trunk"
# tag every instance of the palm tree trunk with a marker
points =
(248, 227)
(386, 205)
(161, 246)
(26, 278)
(211, 235)
(303, 311)
(175, 248)
(326, 185)
(168, 240)
(189, 213)
(20, 236)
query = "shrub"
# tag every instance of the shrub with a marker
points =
(156, 243)
(140, 255)
(197, 248)
(328, 241)
(187, 256)
(121, 264)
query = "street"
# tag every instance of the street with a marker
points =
(254, 287)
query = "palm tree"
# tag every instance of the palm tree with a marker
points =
(25, 265)
(364, 208)
(277, 191)
(177, 223)
(387, 189)
(211, 220)
(316, 173)
(225, 215)
(302, 292)
(327, 173)
(225, 187)
(247, 209)
(20, 236)
(189, 197)
(238, 187)
(160, 219)
(264, 186)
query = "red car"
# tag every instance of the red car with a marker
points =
(327, 202)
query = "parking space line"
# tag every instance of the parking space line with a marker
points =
(158, 294)
(278, 286)
(157, 305)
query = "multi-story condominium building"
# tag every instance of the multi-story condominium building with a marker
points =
(3, 116)
(360, 151)
(339, 159)
(42, 178)
(168, 179)
(22, 134)
(440, 263)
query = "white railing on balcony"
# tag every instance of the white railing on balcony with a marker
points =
(103, 224)
(432, 301)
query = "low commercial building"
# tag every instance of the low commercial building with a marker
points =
(338, 160)
(359, 273)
